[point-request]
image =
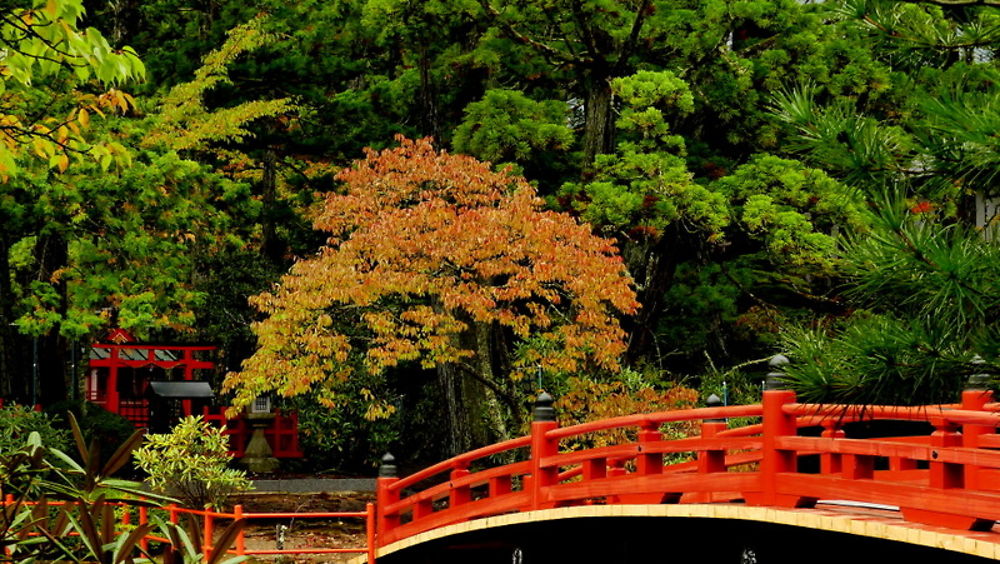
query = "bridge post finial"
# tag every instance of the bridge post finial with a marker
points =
(980, 381)
(714, 401)
(388, 467)
(776, 377)
(385, 496)
(543, 410)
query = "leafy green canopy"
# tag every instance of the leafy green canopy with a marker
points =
(43, 46)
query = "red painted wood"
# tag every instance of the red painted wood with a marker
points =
(974, 400)
(949, 478)
(542, 476)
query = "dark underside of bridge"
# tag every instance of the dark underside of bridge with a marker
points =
(665, 540)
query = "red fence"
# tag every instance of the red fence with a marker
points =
(210, 519)
(949, 478)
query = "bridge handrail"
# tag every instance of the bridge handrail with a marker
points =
(657, 418)
(904, 413)
(440, 491)
(462, 461)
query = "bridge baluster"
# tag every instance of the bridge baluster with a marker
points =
(712, 460)
(595, 469)
(857, 467)
(462, 494)
(945, 475)
(709, 460)
(500, 485)
(900, 464)
(648, 464)
(830, 462)
(774, 460)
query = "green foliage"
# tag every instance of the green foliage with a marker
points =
(17, 422)
(858, 148)
(43, 45)
(649, 99)
(107, 428)
(353, 435)
(506, 126)
(792, 209)
(83, 527)
(185, 122)
(191, 463)
(129, 241)
(646, 186)
(931, 305)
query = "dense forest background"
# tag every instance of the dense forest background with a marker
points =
(812, 178)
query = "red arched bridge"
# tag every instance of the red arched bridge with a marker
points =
(791, 464)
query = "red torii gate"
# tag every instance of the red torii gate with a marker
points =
(124, 393)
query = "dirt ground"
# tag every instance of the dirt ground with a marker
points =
(261, 534)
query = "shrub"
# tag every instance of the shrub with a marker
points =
(96, 423)
(191, 463)
(17, 422)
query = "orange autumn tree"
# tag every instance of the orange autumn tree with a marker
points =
(436, 259)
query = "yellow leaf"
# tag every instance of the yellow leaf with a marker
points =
(84, 117)
(51, 8)
(39, 147)
(63, 162)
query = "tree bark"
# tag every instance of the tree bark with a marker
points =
(449, 378)
(477, 407)
(53, 254)
(598, 125)
(429, 122)
(492, 406)
(658, 271)
(272, 247)
(8, 358)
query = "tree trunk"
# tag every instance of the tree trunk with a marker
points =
(429, 122)
(272, 247)
(449, 378)
(493, 409)
(9, 366)
(598, 128)
(654, 278)
(52, 382)
(478, 409)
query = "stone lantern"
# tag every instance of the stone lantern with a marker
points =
(258, 456)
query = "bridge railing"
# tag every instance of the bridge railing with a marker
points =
(948, 477)
(547, 478)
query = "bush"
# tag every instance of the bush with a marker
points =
(99, 424)
(17, 422)
(191, 463)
